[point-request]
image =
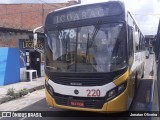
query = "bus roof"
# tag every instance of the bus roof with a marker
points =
(86, 11)
(84, 4)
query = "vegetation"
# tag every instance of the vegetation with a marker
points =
(23, 92)
(11, 92)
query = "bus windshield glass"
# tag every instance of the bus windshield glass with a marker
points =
(95, 48)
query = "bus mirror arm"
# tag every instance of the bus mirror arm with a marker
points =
(38, 50)
(35, 38)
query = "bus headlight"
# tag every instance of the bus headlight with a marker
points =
(121, 87)
(116, 91)
(111, 93)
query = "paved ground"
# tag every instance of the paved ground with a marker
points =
(149, 67)
(36, 84)
(23, 102)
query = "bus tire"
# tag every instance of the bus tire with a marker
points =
(143, 73)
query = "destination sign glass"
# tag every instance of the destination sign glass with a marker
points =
(85, 12)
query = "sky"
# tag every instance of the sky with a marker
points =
(146, 12)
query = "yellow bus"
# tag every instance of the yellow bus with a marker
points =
(94, 57)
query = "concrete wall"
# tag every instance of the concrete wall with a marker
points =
(9, 66)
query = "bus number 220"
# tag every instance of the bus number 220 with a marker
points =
(93, 93)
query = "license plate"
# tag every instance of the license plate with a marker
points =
(77, 103)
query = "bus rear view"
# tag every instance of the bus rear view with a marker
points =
(86, 58)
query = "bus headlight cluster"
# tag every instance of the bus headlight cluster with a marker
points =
(116, 91)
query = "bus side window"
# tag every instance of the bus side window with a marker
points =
(130, 41)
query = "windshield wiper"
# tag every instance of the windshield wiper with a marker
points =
(95, 31)
(89, 43)
(87, 49)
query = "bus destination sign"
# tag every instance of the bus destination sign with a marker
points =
(86, 12)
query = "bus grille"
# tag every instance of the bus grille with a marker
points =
(94, 103)
(83, 79)
(79, 81)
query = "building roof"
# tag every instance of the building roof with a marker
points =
(3, 29)
(15, 31)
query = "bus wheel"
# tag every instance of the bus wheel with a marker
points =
(143, 73)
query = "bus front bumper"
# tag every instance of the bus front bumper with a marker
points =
(118, 104)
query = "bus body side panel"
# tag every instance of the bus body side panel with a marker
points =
(136, 70)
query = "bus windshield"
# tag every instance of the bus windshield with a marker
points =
(95, 48)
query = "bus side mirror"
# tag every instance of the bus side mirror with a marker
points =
(130, 41)
(136, 38)
(35, 39)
